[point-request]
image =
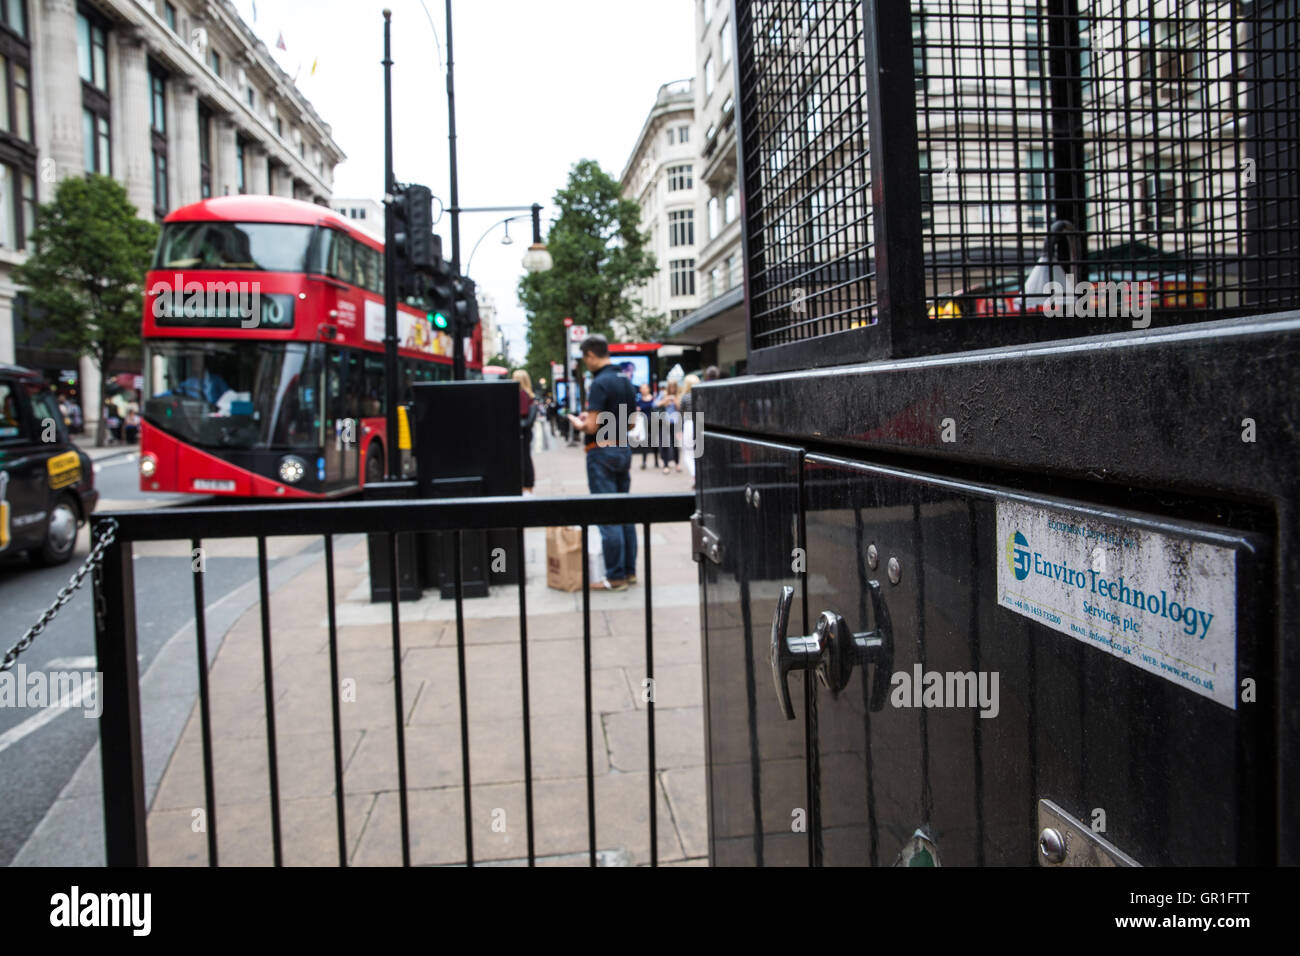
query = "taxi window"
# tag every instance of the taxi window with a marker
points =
(11, 418)
(49, 420)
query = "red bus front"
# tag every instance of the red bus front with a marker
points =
(264, 369)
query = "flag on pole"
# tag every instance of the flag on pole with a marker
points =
(279, 44)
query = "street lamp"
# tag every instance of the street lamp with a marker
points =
(536, 259)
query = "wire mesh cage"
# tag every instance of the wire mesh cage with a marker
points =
(1130, 160)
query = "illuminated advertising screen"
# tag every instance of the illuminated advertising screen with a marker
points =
(635, 367)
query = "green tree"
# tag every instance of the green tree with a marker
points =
(85, 274)
(599, 253)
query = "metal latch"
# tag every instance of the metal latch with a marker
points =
(703, 541)
(1065, 841)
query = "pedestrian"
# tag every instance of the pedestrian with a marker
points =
(552, 415)
(527, 416)
(687, 406)
(669, 405)
(610, 399)
(131, 423)
(645, 404)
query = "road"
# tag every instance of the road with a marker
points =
(38, 755)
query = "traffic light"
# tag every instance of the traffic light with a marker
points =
(465, 306)
(417, 251)
(440, 298)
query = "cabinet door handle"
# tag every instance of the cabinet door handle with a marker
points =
(832, 650)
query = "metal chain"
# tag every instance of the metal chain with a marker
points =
(65, 594)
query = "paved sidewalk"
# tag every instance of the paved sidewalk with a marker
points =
(99, 452)
(430, 717)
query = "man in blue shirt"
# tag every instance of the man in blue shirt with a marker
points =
(611, 404)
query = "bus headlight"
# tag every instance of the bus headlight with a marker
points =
(292, 468)
(148, 465)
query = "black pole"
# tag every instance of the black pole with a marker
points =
(458, 336)
(394, 454)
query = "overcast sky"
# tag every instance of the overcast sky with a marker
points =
(540, 84)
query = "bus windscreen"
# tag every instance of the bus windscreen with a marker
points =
(238, 395)
(255, 246)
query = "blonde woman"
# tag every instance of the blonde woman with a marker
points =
(669, 406)
(527, 415)
(688, 423)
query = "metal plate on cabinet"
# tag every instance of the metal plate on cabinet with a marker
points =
(1064, 841)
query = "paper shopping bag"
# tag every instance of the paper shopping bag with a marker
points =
(564, 558)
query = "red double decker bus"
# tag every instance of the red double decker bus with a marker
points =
(264, 365)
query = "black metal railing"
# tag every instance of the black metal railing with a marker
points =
(115, 639)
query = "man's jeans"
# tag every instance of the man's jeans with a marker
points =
(607, 472)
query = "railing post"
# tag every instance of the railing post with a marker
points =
(121, 749)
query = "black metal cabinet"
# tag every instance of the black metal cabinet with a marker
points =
(1155, 772)
(757, 784)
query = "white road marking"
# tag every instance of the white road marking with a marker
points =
(71, 664)
(37, 721)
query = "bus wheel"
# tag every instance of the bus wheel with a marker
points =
(375, 463)
(60, 533)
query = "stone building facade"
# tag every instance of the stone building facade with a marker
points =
(176, 99)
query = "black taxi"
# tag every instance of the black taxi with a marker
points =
(47, 484)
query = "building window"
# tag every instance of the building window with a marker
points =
(681, 227)
(813, 115)
(724, 41)
(708, 11)
(169, 16)
(214, 62)
(682, 276)
(251, 96)
(96, 142)
(716, 280)
(239, 165)
(158, 140)
(14, 16)
(16, 100)
(730, 207)
(918, 49)
(1033, 55)
(279, 127)
(1158, 203)
(927, 189)
(17, 206)
(1036, 160)
(92, 52)
(92, 57)
(160, 201)
(715, 214)
(679, 314)
(680, 177)
(157, 103)
(205, 153)
(708, 76)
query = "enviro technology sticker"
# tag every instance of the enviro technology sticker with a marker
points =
(1162, 603)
